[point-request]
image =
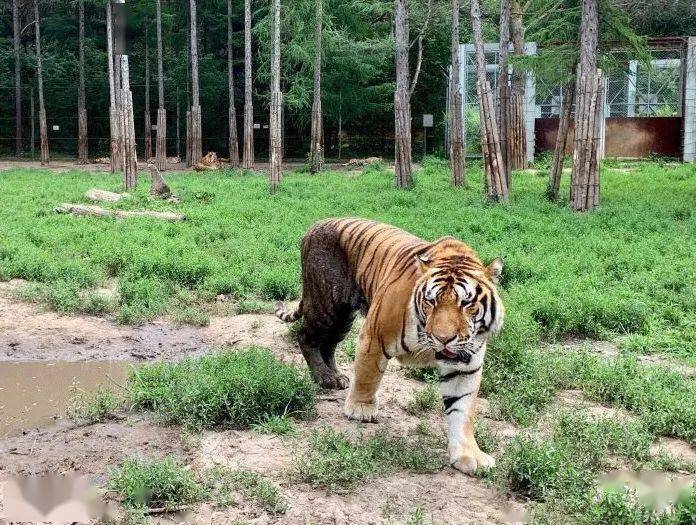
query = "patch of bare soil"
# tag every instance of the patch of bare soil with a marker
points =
(29, 332)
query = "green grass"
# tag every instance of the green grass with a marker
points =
(423, 401)
(229, 389)
(224, 483)
(92, 407)
(560, 472)
(282, 425)
(626, 269)
(155, 483)
(339, 461)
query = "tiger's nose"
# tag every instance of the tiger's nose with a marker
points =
(444, 338)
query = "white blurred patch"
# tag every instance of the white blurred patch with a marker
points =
(654, 489)
(55, 499)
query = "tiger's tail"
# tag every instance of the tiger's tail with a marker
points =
(288, 317)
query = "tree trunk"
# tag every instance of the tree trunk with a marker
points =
(316, 147)
(33, 120)
(561, 142)
(232, 112)
(248, 152)
(584, 190)
(147, 121)
(178, 127)
(402, 104)
(275, 117)
(161, 145)
(494, 169)
(457, 157)
(504, 89)
(114, 117)
(18, 78)
(43, 128)
(517, 117)
(82, 144)
(129, 153)
(196, 123)
(188, 100)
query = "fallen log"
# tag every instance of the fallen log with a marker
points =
(97, 211)
(104, 196)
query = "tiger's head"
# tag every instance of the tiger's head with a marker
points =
(456, 301)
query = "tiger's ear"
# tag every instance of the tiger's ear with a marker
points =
(423, 263)
(495, 270)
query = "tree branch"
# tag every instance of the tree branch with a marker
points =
(419, 62)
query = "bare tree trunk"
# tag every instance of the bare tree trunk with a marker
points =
(178, 126)
(18, 78)
(82, 143)
(147, 121)
(130, 155)
(232, 112)
(188, 99)
(457, 157)
(402, 104)
(248, 152)
(33, 120)
(161, 144)
(503, 88)
(43, 129)
(517, 119)
(561, 142)
(584, 191)
(196, 122)
(275, 117)
(494, 168)
(114, 118)
(316, 146)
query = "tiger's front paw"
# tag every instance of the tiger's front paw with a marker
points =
(366, 412)
(470, 462)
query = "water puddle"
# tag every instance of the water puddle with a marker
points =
(33, 393)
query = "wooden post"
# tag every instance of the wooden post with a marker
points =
(43, 127)
(233, 142)
(130, 155)
(147, 123)
(114, 118)
(161, 144)
(493, 163)
(33, 121)
(196, 123)
(316, 144)
(503, 88)
(275, 117)
(457, 157)
(402, 104)
(82, 141)
(518, 105)
(561, 142)
(248, 151)
(18, 78)
(178, 126)
(584, 190)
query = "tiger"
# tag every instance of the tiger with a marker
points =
(425, 304)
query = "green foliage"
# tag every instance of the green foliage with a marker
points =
(155, 483)
(92, 407)
(486, 437)
(232, 388)
(336, 460)
(427, 374)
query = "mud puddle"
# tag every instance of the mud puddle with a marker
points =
(35, 393)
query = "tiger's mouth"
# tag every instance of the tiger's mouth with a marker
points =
(463, 357)
(448, 353)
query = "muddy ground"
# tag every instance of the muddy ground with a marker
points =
(29, 333)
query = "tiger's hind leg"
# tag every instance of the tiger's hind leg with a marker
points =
(318, 340)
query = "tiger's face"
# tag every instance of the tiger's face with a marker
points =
(457, 306)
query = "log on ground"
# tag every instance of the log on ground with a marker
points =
(95, 194)
(97, 211)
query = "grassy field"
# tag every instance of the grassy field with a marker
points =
(625, 273)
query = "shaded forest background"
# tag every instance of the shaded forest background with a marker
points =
(358, 68)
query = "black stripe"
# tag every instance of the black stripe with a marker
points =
(451, 400)
(456, 373)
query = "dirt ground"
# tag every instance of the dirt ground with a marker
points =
(29, 333)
